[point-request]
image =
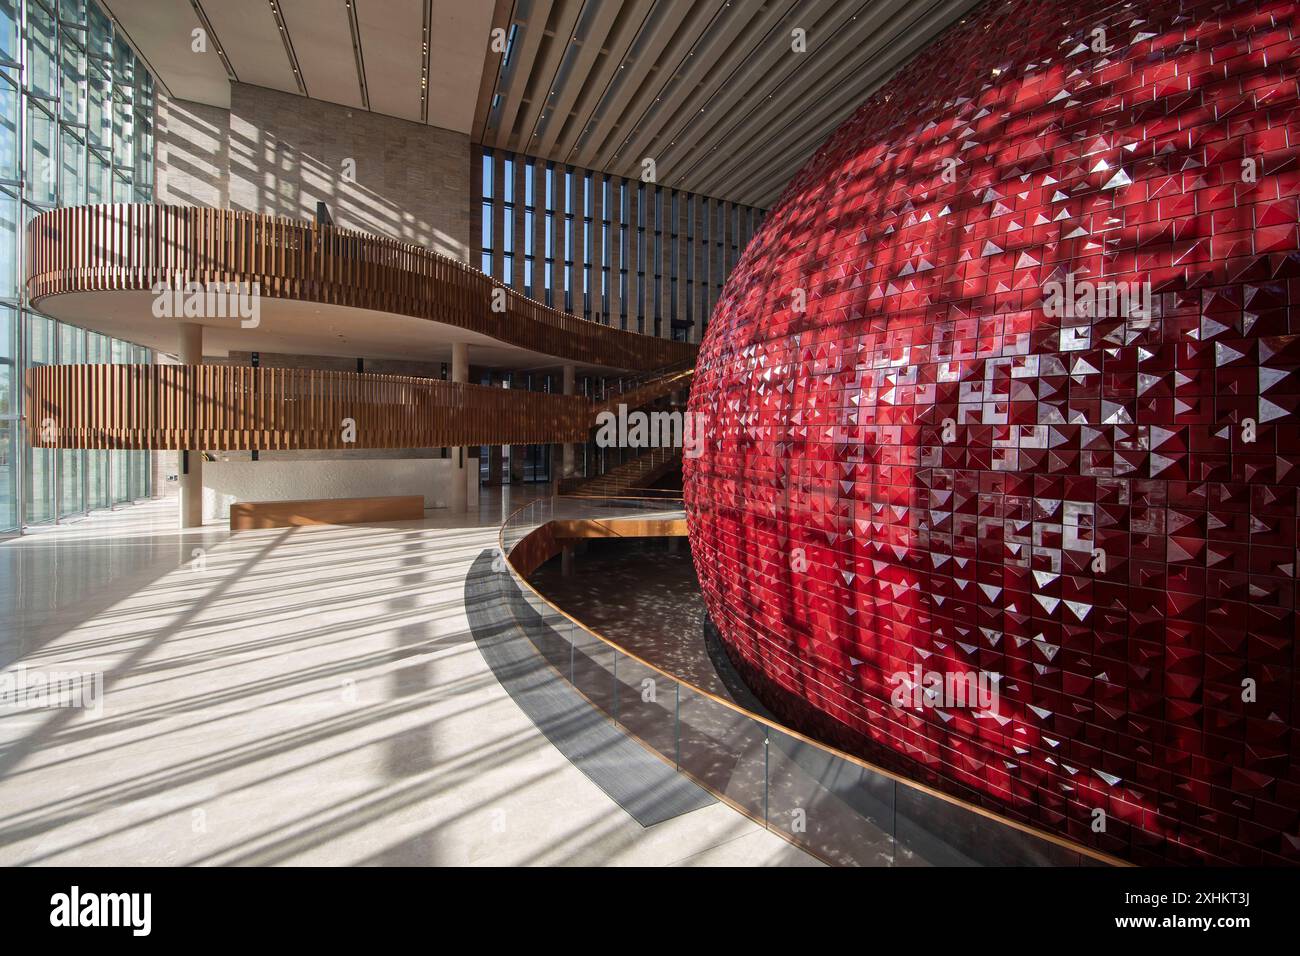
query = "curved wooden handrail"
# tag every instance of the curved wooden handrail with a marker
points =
(135, 247)
(540, 542)
(238, 408)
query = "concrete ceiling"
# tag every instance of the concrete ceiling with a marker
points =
(296, 327)
(419, 60)
(712, 90)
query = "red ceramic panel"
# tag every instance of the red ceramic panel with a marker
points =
(916, 461)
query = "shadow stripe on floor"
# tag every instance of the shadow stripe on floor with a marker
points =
(508, 633)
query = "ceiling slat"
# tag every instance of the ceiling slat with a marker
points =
(538, 95)
(673, 53)
(583, 59)
(838, 93)
(522, 56)
(703, 75)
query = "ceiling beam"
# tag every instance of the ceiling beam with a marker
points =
(513, 82)
(541, 80)
(671, 53)
(583, 56)
(501, 15)
(629, 24)
(744, 39)
(839, 93)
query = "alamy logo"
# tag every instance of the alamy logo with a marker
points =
(684, 430)
(945, 690)
(212, 300)
(23, 689)
(1087, 299)
(74, 908)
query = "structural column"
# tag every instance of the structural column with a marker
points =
(518, 453)
(567, 469)
(459, 456)
(191, 460)
(495, 456)
(570, 455)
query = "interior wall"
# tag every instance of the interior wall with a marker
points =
(279, 154)
(225, 482)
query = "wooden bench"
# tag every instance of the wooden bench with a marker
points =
(248, 515)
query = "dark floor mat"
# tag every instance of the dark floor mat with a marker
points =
(508, 633)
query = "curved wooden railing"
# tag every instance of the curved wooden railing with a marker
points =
(747, 759)
(229, 408)
(135, 247)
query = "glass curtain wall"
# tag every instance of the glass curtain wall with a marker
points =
(612, 250)
(76, 127)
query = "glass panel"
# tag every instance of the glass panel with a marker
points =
(144, 92)
(648, 706)
(593, 670)
(72, 170)
(9, 30)
(99, 182)
(40, 461)
(99, 109)
(840, 812)
(100, 42)
(8, 476)
(723, 750)
(123, 68)
(123, 133)
(97, 479)
(145, 487)
(40, 51)
(8, 357)
(70, 491)
(8, 131)
(121, 484)
(72, 345)
(72, 11)
(9, 234)
(40, 486)
(42, 171)
(143, 153)
(73, 84)
(40, 340)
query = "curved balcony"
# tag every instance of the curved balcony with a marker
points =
(237, 408)
(323, 290)
(835, 806)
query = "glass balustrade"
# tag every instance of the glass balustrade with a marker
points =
(836, 807)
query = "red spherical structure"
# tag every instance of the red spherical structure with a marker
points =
(952, 431)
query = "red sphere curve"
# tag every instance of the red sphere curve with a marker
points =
(1005, 389)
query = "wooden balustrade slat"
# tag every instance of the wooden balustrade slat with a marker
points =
(229, 408)
(133, 247)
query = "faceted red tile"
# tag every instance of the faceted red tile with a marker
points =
(922, 468)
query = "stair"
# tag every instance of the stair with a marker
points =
(627, 479)
(635, 392)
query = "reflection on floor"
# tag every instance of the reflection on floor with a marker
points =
(304, 695)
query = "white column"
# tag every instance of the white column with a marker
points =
(459, 456)
(191, 471)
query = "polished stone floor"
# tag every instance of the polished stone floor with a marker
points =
(292, 696)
